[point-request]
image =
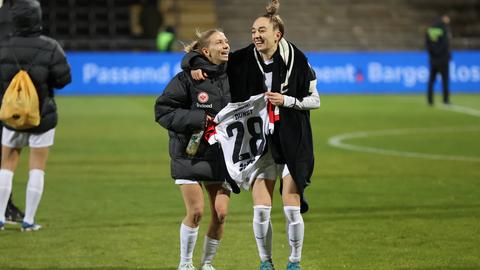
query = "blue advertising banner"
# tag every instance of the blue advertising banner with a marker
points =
(390, 72)
(148, 73)
(121, 73)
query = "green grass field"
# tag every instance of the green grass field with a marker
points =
(109, 202)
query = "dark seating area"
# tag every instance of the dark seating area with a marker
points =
(339, 25)
(92, 25)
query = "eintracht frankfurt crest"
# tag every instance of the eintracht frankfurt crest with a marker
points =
(202, 97)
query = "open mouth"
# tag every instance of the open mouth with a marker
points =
(259, 42)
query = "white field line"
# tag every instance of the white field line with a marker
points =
(338, 141)
(460, 109)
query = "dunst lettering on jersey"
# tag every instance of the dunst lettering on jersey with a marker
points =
(243, 114)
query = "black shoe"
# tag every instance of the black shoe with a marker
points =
(13, 214)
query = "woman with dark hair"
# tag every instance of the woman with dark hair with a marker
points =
(290, 84)
(274, 66)
(184, 108)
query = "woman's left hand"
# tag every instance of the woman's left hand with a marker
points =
(276, 99)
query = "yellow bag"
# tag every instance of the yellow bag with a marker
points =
(20, 105)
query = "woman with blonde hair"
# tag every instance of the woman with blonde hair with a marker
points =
(184, 108)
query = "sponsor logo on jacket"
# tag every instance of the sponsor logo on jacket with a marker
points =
(203, 98)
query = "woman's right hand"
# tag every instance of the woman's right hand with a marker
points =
(198, 75)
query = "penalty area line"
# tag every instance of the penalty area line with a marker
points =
(459, 109)
(338, 141)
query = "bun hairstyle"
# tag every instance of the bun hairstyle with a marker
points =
(273, 7)
(271, 14)
(202, 40)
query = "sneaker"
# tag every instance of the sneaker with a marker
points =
(26, 227)
(13, 215)
(186, 266)
(267, 265)
(2, 226)
(207, 266)
(293, 266)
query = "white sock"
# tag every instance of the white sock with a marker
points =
(188, 238)
(262, 229)
(6, 178)
(210, 246)
(34, 194)
(295, 231)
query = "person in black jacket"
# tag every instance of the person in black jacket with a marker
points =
(275, 66)
(45, 62)
(184, 109)
(437, 39)
(12, 213)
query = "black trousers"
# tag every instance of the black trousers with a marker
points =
(435, 69)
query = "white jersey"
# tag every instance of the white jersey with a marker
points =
(241, 131)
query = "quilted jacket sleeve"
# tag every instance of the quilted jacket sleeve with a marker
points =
(60, 74)
(173, 108)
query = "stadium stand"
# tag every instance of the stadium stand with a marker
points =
(195, 14)
(88, 25)
(312, 24)
(356, 24)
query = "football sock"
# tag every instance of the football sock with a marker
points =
(6, 178)
(210, 246)
(188, 238)
(34, 194)
(295, 232)
(262, 229)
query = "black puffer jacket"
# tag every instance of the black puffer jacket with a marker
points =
(41, 56)
(5, 20)
(182, 109)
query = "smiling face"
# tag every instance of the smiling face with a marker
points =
(218, 48)
(265, 37)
